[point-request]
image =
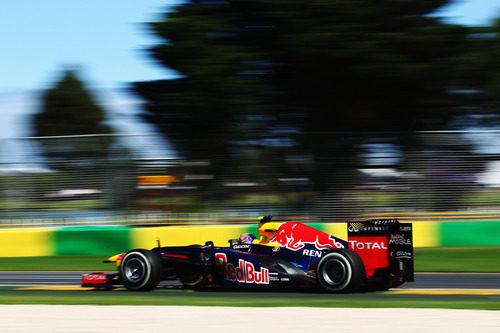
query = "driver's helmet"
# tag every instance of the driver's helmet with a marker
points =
(246, 239)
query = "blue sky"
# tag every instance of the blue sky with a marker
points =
(472, 12)
(105, 38)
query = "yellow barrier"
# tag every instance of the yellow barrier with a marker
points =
(26, 242)
(185, 235)
(425, 234)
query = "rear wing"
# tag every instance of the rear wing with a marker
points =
(385, 246)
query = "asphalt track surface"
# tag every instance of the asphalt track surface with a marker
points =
(422, 280)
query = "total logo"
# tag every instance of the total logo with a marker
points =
(95, 277)
(353, 244)
(244, 273)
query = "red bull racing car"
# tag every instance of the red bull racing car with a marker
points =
(377, 255)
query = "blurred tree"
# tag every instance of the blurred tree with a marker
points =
(68, 108)
(342, 64)
(277, 74)
(484, 71)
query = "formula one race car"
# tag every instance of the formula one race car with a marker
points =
(377, 255)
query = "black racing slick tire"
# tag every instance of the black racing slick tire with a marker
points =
(340, 270)
(140, 270)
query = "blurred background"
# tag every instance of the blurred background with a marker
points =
(326, 110)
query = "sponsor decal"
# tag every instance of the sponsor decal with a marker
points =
(371, 225)
(373, 250)
(401, 254)
(355, 227)
(366, 228)
(384, 222)
(241, 246)
(366, 245)
(95, 278)
(296, 235)
(312, 253)
(273, 276)
(399, 239)
(244, 273)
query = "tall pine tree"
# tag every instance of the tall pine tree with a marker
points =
(68, 109)
(275, 75)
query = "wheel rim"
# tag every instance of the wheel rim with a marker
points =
(334, 272)
(134, 269)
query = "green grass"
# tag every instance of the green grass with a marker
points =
(252, 299)
(458, 259)
(464, 259)
(10, 204)
(58, 263)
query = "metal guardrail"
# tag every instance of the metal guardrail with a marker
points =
(423, 176)
(159, 221)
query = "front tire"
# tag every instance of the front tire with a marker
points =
(140, 270)
(341, 270)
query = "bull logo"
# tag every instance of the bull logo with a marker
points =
(296, 235)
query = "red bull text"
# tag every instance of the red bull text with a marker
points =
(244, 273)
(296, 235)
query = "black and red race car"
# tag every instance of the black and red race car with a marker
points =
(377, 255)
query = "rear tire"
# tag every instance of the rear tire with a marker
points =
(341, 270)
(140, 270)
